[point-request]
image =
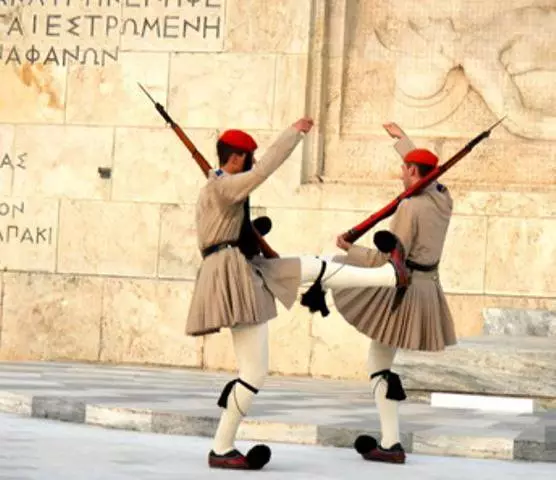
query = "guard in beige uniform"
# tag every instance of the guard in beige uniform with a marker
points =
(237, 289)
(414, 318)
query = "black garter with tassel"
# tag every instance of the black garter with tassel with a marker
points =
(223, 400)
(314, 297)
(395, 389)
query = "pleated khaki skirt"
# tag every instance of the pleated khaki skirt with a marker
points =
(421, 321)
(230, 291)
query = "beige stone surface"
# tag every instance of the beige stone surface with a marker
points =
(179, 255)
(255, 26)
(63, 161)
(467, 310)
(153, 165)
(462, 267)
(202, 97)
(108, 238)
(32, 93)
(502, 163)
(28, 233)
(143, 322)
(521, 257)
(291, 86)
(9, 159)
(50, 317)
(290, 341)
(517, 203)
(339, 350)
(310, 232)
(112, 94)
(174, 26)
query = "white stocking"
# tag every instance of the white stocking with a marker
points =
(251, 350)
(339, 275)
(381, 357)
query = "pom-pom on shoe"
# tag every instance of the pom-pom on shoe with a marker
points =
(370, 450)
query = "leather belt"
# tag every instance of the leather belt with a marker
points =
(419, 267)
(217, 247)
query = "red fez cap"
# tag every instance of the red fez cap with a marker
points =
(421, 157)
(239, 139)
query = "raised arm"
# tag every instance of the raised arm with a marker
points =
(404, 145)
(236, 188)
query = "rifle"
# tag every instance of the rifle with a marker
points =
(359, 230)
(266, 250)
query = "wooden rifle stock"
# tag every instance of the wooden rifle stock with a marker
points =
(266, 250)
(353, 234)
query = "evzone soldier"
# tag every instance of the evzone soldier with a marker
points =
(236, 289)
(413, 318)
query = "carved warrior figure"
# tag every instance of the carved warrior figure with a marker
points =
(444, 62)
(416, 317)
(238, 291)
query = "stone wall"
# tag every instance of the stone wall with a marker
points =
(101, 269)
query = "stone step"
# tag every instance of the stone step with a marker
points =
(515, 321)
(521, 366)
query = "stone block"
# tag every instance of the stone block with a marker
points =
(489, 163)
(515, 321)
(521, 256)
(179, 255)
(372, 161)
(368, 92)
(310, 232)
(153, 165)
(32, 93)
(178, 424)
(10, 161)
(462, 267)
(108, 238)
(28, 233)
(143, 321)
(290, 341)
(240, 100)
(174, 25)
(338, 350)
(61, 163)
(58, 408)
(109, 95)
(16, 403)
(486, 365)
(119, 418)
(439, 441)
(282, 27)
(516, 203)
(467, 310)
(291, 90)
(50, 317)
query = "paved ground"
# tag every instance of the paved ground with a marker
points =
(303, 411)
(34, 449)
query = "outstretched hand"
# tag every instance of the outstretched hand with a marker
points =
(304, 124)
(394, 130)
(343, 244)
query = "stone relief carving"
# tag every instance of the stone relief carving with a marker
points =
(436, 62)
